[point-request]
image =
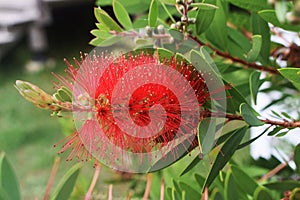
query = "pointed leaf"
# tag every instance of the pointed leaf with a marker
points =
(170, 2)
(204, 6)
(66, 184)
(217, 32)
(297, 158)
(253, 139)
(103, 34)
(262, 193)
(281, 8)
(253, 5)
(270, 16)
(153, 13)
(275, 130)
(293, 74)
(225, 154)
(190, 192)
(9, 186)
(245, 182)
(122, 15)
(206, 135)
(204, 18)
(249, 115)
(235, 99)
(106, 20)
(282, 186)
(254, 84)
(230, 187)
(261, 27)
(256, 47)
(190, 166)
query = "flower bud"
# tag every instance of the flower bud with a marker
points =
(35, 95)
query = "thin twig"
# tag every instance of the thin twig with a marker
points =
(205, 194)
(88, 195)
(110, 192)
(237, 60)
(273, 172)
(162, 189)
(52, 178)
(148, 187)
(283, 123)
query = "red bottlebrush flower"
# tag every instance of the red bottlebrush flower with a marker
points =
(133, 104)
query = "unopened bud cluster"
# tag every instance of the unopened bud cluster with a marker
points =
(39, 97)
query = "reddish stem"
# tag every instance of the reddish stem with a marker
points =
(237, 60)
(284, 123)
(148, 187)
(162, 189)
(52, 178)
(88, 195)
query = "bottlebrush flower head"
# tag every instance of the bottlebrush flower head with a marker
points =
(133, 104)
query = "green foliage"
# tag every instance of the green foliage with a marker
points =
(122, 15)
(204, 18)
(217, 31)
(224, 155)
(153, 13)
(66, 184)
(230, 42)
(249, 115)
(9, 186)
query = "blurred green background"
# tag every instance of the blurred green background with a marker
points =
(27, 134)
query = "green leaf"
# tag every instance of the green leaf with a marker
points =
(192, 164)
(282, 186)
(261, 193)
(122, 15)
(153, 13)
(204, 18)
(170, 2)
(168, 193)
(295, 194)
(9, 186)
(106, 20)
(230, 186)
(238, 44)
(66, 184)
(168, 158)
(254, 85)
(235, 99)
(206, 135)
(132, 6)
(281, 10)
(103, 34)
(275, 130)
(191, 193)
(204, 6)
(225, 154)
(261, 27)
(109, 41)
(293, 74)
(217, 32)
(200, 180)
(253, 139)
(243, 180)
(297, 158)
(250, 115)
(270, 16)
(176, 193)
(256, 47)
(253, 5)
